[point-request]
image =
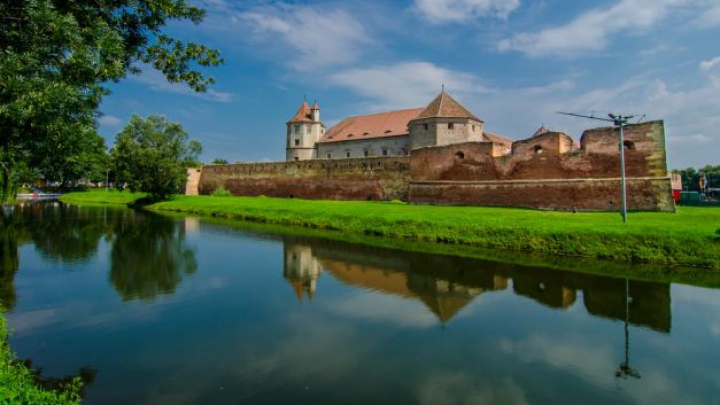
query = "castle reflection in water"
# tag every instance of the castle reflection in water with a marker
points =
(446, 285)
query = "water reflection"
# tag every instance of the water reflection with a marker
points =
(446, 284)
(149, 256)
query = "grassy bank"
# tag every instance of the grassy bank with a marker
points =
(101, 196)
(687, 237)
(17, 384)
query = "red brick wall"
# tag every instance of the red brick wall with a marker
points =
(377, 178)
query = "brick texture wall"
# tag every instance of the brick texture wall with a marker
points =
(378, 178)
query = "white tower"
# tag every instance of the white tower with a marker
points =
(303, 132)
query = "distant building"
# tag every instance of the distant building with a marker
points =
(394, 133)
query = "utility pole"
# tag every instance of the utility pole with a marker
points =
(619, 121)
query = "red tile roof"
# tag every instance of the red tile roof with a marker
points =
(391, 123)
(303, 114)
(497, 139)
(444, 106)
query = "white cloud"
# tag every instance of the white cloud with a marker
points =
(440, 11)
(110, 121)
(384, 308)
(406, 85)
(710, 18)
(591, 31)
(158, 82)
(709, 64)
(316, 39)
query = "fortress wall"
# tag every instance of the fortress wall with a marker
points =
(644, 194)
(546, 172)
(549, 156)
(377, 178)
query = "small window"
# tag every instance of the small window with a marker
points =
(296, 158)
(350, 135)
(538, 149)
(365, 153)
(384, 152)
(425, 127)
(366, 133)
(451, 125)
(296, 128)
(297, 142)
(460, 155)
(347, 154)
(474, 128)
(629, 145)
(309, 129)
(329, 155)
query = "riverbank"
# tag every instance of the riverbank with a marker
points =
(17, 385)
(102, 196)
(688, 237)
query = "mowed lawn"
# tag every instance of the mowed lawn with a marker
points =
(691, 236)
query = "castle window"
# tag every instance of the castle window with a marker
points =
(460, 155)
(425, 127)
(296, 158)
(296, 128)
(538, 149)
(629, 145)
(348, 154)
(365, 153)
(366, 133)
(297, 142)
(474, 128)
(309, 129)
(384, 152)
(451, 125)
(350, 135)
(329, 155)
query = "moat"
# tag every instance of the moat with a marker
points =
(174, 310)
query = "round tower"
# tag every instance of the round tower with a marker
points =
(304, 130)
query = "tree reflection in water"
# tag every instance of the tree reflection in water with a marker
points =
(149, 256)
(9, 261)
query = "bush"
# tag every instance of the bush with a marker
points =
(221, 192)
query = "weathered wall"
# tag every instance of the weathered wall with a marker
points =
(646, 194)
(193, 181)
(546, 172)
(378, 178)
(394, 145)
(438, 131)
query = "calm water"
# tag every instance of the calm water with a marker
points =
(160, 310)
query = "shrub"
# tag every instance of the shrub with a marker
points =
(221, 192)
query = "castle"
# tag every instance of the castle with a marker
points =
(394, 133)
(441, 154)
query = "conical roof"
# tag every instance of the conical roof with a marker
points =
(303, 114)
(315, 106)
(444, 106)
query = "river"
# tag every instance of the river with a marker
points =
(151, 309)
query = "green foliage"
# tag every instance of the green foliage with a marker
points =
(58, 55)
(221, 192)
(152, 155)
(691, 177)
(17, 382)
(219, 161)
(101, 196)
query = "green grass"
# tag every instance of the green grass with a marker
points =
(686, 238)
(17, 384)
(100, 196)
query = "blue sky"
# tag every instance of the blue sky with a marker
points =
(514, 63)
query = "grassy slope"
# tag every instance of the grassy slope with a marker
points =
(16, 381)
(100, 196)
(687, 237)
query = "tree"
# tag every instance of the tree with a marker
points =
(691, 177)
(57, 56)
(152, 155)
(219, 161)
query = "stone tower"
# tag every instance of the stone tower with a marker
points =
(301, 270)
(303, 132)
(443, 122)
